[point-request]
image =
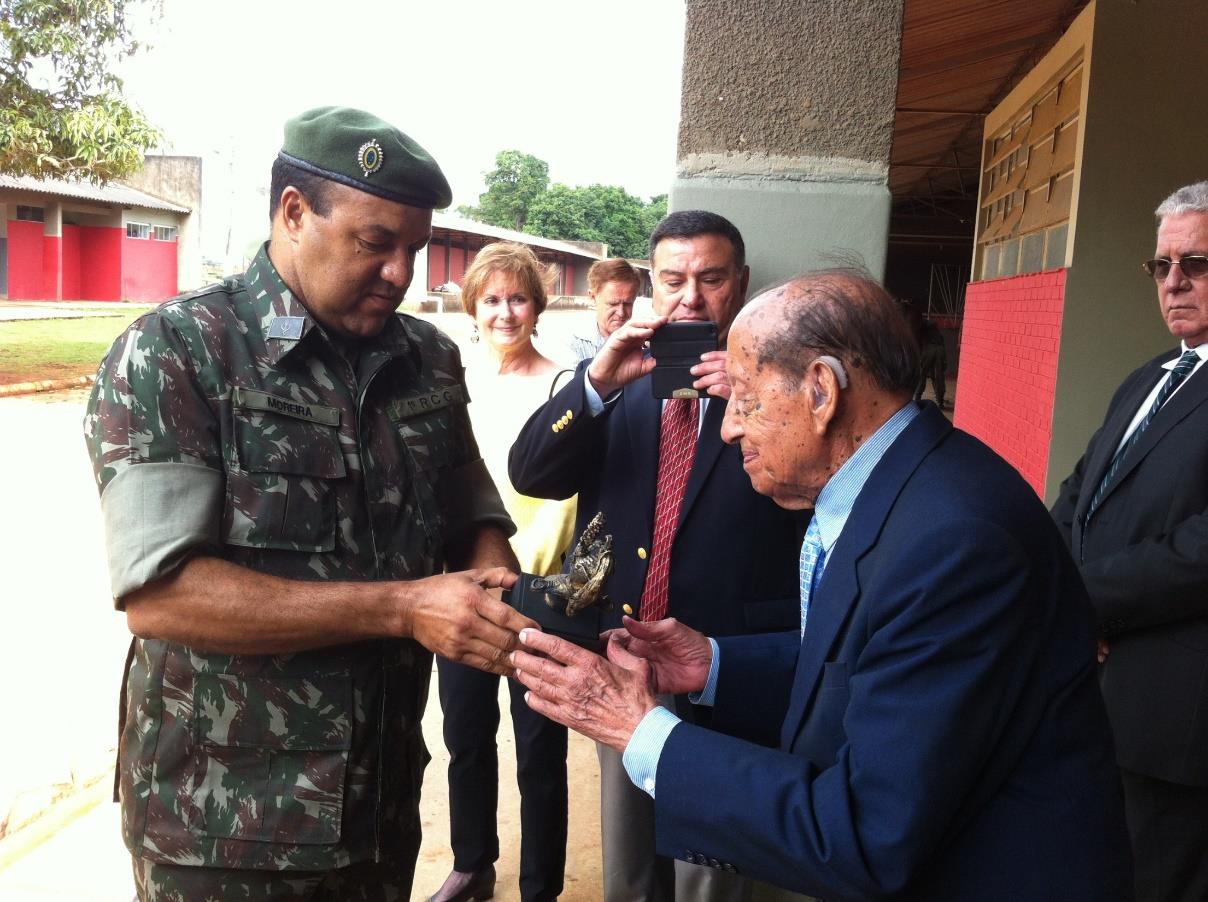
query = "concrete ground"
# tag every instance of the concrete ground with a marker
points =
(60, 670)
(81, 857)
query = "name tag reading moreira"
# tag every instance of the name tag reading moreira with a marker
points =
(428, 401)
(253, 399)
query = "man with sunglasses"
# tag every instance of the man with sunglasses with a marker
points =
(1135, 513)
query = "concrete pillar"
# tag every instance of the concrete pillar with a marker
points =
(52, 251)
(786, 124)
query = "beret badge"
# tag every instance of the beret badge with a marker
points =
(369, 157)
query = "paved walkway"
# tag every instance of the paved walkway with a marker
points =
(12, 311)
(83, 859)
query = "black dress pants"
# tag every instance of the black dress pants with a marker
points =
(469, 700)
(1168, 823)
(933, 363)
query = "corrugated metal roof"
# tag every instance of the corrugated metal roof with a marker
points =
(113, 193)
(458, 224)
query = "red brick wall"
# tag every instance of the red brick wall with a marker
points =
(71, 262)
(1008, 367)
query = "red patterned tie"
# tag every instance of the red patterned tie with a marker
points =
(677, 445)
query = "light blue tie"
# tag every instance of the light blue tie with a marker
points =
(811, 563)
(1185, 365)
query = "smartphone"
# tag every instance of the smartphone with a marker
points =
(676, 348)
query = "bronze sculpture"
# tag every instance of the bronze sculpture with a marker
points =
(581, 586)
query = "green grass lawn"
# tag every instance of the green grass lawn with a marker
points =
(32, 350)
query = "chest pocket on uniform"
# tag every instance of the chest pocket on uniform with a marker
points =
(280, 488)
(431, 424)
(428, 424)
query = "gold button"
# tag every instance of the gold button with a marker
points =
(555, 427)
(569, 415)
(642, 553)
(627, 609)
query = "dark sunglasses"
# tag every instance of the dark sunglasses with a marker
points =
(1194, 266)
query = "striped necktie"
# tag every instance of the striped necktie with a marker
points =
(677, 446)
(812, 560)
(1182, 368)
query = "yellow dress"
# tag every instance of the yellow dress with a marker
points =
(500, 405)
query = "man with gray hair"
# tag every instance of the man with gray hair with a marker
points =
(1134, 514)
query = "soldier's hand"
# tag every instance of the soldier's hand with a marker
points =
(457, 616)
(621, 360)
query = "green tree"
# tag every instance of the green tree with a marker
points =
(596, 213)
(61, 109)
(517, 180)
(653, 212)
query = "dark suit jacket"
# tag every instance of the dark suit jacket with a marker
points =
(1144, 558)
(941, 732)
(734, 559)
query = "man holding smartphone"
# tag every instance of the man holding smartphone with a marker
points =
(692, 539)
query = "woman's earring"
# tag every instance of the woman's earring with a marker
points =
(534, 331)
(474, 336)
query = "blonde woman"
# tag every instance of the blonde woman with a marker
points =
(504, 290)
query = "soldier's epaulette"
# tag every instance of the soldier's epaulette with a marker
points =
(422, 331)
(229, 285)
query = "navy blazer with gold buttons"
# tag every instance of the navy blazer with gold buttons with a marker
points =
(734, 558)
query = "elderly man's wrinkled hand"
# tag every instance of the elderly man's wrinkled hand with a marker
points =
(678, 657)
(605, 700)
(460, 617)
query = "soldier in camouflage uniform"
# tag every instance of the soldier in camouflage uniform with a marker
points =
(286, 467)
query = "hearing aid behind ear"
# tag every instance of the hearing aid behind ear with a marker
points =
(836, 367)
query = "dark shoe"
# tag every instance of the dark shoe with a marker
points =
(460, 886)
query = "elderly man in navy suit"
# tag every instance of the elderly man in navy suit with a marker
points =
(676, 501)
(1135, 512)
(939, 728)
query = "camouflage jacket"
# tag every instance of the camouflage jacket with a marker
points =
(226, 423)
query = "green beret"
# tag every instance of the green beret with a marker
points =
(360, 150)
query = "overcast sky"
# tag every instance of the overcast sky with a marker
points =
(592, 89)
